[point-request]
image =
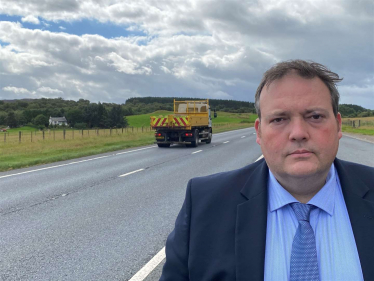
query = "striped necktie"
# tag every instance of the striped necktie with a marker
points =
(304, 264)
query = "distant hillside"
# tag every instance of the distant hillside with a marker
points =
(151, 104)
(86, 114)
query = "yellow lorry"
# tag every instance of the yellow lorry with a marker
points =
(190, 123)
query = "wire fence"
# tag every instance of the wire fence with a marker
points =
(66, 134)
(72, 134)
(356, 123)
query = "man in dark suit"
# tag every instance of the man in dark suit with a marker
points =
(297, 214)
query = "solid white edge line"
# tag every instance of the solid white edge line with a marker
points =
(124, 175)
(259, 158)
(226, 141)
(196, 151)
(75, 162)
(150, 266)
(134, 150)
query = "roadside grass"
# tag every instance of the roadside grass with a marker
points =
(366, 125)
(14, 155)
(364, 130)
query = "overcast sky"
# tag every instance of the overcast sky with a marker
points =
(111, 50)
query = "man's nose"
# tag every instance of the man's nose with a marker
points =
(298, 130)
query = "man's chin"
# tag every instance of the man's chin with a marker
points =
(301, 170)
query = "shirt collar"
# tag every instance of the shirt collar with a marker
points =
(324, 199)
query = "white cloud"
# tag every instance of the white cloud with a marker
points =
(62, 28)
(16, 90)
(220, 95)
(30, 19)
(49, 90)
(191, 48)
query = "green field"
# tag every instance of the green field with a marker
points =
(144, 120)
(223, 117)
(34, 150)
(366, 125)
(366, 130)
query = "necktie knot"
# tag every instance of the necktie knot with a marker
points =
(302, 211)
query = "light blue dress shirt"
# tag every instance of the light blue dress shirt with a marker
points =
(336, 247)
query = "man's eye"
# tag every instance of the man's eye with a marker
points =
(277, 120)
(316, 116)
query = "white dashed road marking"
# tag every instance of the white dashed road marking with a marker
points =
(242, 137)
(196, 152)
(133, 172)
(226, 141)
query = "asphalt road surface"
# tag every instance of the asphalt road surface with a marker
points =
(104, 217)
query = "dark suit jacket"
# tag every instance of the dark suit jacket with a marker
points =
(220, 232)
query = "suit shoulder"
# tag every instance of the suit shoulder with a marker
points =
(234, 179)
(363, 172)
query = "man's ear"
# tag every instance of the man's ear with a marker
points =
(258, 131)
(339, 121)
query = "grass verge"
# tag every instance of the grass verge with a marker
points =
(364, 130)
(20, 155)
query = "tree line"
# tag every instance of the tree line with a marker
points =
(80, 114)
(85, 114)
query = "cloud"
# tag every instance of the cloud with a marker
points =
(16, 90)
(62, 28)
(191, 48)
(220, 95)
(49, 90)
(30, 19)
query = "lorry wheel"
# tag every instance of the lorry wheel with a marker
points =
(195, 143)
(163, 144)
(209, 140)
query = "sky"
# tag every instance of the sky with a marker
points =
(111, 50)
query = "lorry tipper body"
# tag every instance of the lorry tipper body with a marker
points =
(190, 123)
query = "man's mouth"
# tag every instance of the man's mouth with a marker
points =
(301, 152)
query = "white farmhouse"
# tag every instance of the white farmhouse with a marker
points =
(58, 121)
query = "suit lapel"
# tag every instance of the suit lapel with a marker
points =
(250, 235)
(360, 205)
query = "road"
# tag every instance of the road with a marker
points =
(104, 217)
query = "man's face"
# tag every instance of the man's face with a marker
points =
(298, 133)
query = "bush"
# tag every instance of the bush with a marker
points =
(80, 126)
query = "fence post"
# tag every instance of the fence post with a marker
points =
(110, 131)
(54, 136)
(64, 133)
(43, 134)
(359, 123)
(354, 124)
(72, 133)
(132, 129)
(4, 137)
(122, 130)
(19, 136)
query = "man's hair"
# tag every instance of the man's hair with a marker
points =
(305, 69)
